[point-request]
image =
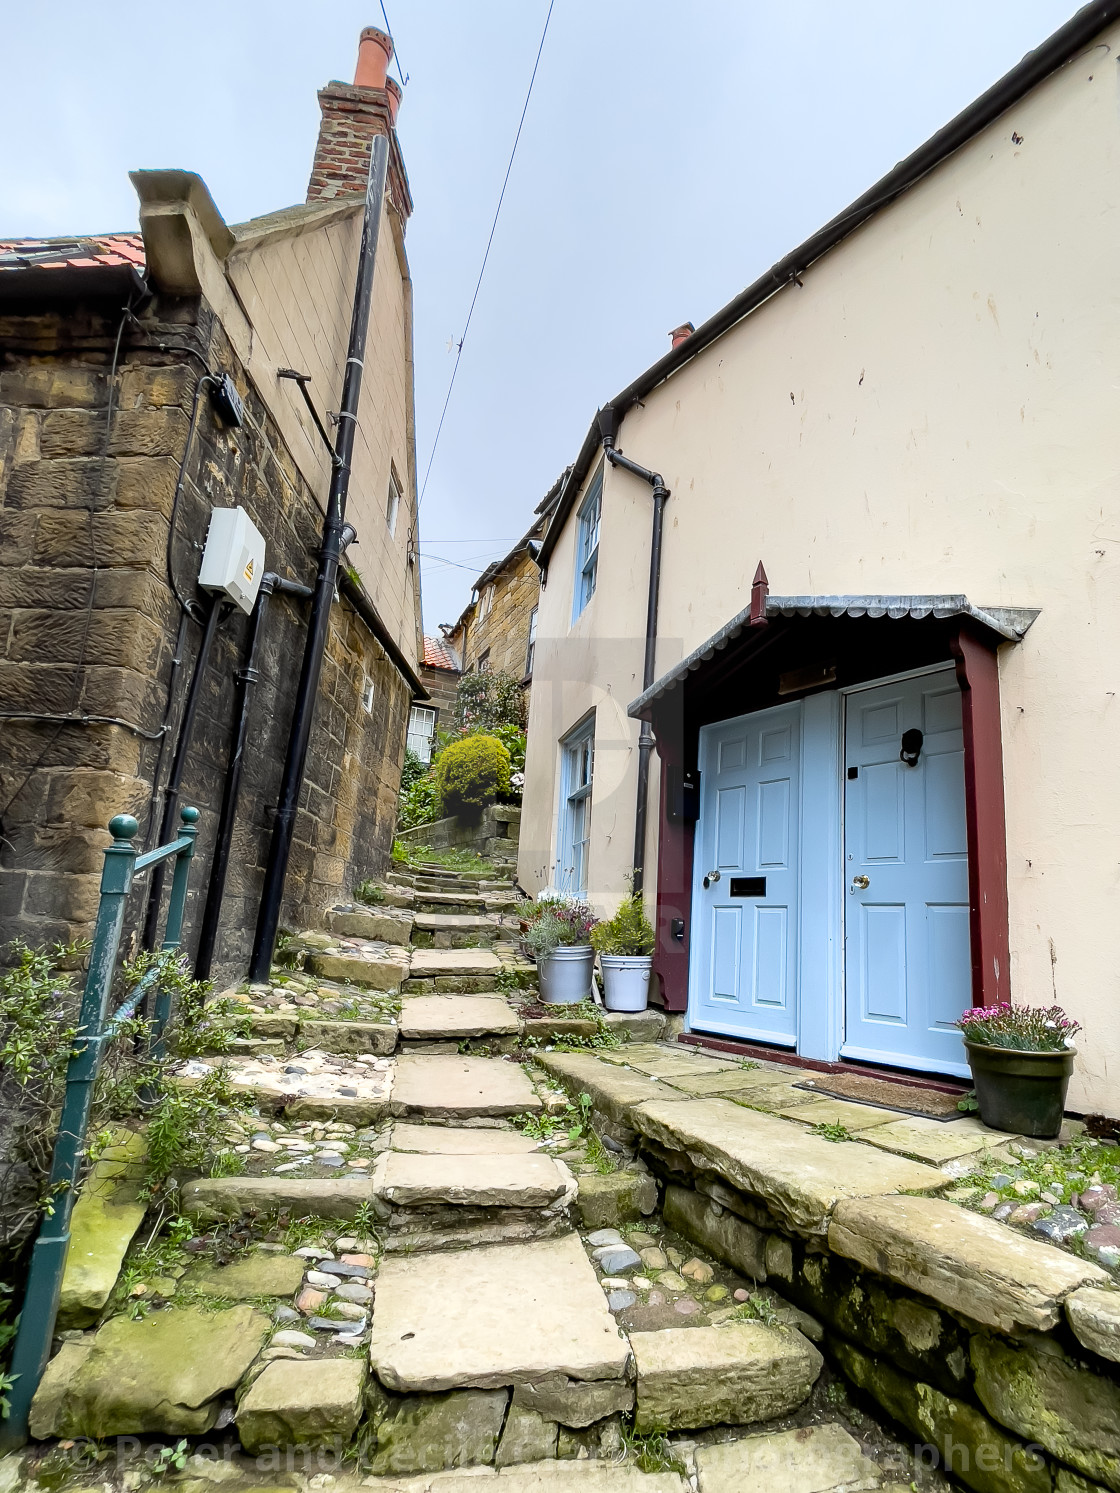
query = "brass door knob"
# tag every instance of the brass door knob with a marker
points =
(862, 882)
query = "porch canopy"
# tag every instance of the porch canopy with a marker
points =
(781, 646)
(785, 647)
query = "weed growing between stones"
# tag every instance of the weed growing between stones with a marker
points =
(369, 893)
(756, 1309)
(832, 1132)
(187, 1129)
(652, 1452)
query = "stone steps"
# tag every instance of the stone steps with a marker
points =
(447, 1087)
(441, 930)
(450, 1019)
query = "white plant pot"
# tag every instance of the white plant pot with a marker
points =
(626, 981)
(565, 976)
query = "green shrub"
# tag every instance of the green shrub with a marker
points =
(471, 774)
(488, 700)
(421, 804)
(413, 771)
(629, 932)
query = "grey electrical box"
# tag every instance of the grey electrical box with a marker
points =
(233, 560)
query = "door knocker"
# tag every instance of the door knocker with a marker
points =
(911, 746)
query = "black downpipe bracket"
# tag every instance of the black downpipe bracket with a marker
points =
(608, 426)
(334, 541)
(247, 676)
(218, 609)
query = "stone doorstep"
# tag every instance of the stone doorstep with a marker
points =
(961, 1260)
(815, 1459)
(935, 1141)
(534, 1181)
(456, 1017)
(446, 1087)
(445, 1321)
(448, 1140)
(800, 1176)
(737, 1373)
(615, 1091)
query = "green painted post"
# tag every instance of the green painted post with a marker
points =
(176, 907)
(48, 1258)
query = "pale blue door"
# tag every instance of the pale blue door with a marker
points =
(743, 976)
(907, 964)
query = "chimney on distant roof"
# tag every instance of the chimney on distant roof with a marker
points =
(352, 114)
(681, 333)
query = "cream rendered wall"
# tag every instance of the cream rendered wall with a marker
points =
(297, 288)
(935, 409)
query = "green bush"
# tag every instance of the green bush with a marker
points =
(471, 774)
(629, 932)
(413, 770)
(421, 804)
(490, 699)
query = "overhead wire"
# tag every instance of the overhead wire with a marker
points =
(403, 76)
(486, 255)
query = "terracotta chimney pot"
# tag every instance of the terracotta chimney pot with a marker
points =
(393, 90)
(375, 52)
(682, 333)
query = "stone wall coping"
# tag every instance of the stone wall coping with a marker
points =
(1094, 1315)
(961, 1260)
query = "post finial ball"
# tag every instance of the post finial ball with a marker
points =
(123, 827)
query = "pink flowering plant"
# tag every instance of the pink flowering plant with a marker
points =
(1022, 1028)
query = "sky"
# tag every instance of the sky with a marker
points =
(670, 154)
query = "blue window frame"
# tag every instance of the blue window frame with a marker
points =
(587, 548)
(577, 768)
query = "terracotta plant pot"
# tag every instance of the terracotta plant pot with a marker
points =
(1019, 1091)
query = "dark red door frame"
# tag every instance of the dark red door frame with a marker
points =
(978, 676)
(977, 672)
(674, 880)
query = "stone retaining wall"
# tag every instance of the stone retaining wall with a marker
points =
(1015, 1411)
(495, 835)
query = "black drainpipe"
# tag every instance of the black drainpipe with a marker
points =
(247, 676)
(608, 427)
(335, 532)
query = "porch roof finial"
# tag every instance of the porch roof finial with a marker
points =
(760, 590)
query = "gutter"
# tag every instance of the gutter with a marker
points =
(1077, 33)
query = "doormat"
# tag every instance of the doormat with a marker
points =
(929, 1104)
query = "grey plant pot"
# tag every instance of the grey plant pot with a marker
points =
(565, 976)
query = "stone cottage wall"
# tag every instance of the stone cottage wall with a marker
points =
(89, 626)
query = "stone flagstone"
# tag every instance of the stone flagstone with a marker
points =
(451, 1140)
(815, 1459)
(935, 1141)
(408, 1180)
(726, 1081)
(566, 1476)
(165, 1373)
(259, 1274)
(483, 1318)
(211, 1198)
(821, 1110)
(446, 1086)
(965, 1262)
(454, 1017)
(107, 1214)
(801, 1176)
(1094, 1316)
(690, 1377)
(300, 1402)
(429, 963)
(614, 1090)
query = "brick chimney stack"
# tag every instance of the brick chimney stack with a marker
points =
(352, 114)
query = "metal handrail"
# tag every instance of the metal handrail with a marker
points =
(96, 1030)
